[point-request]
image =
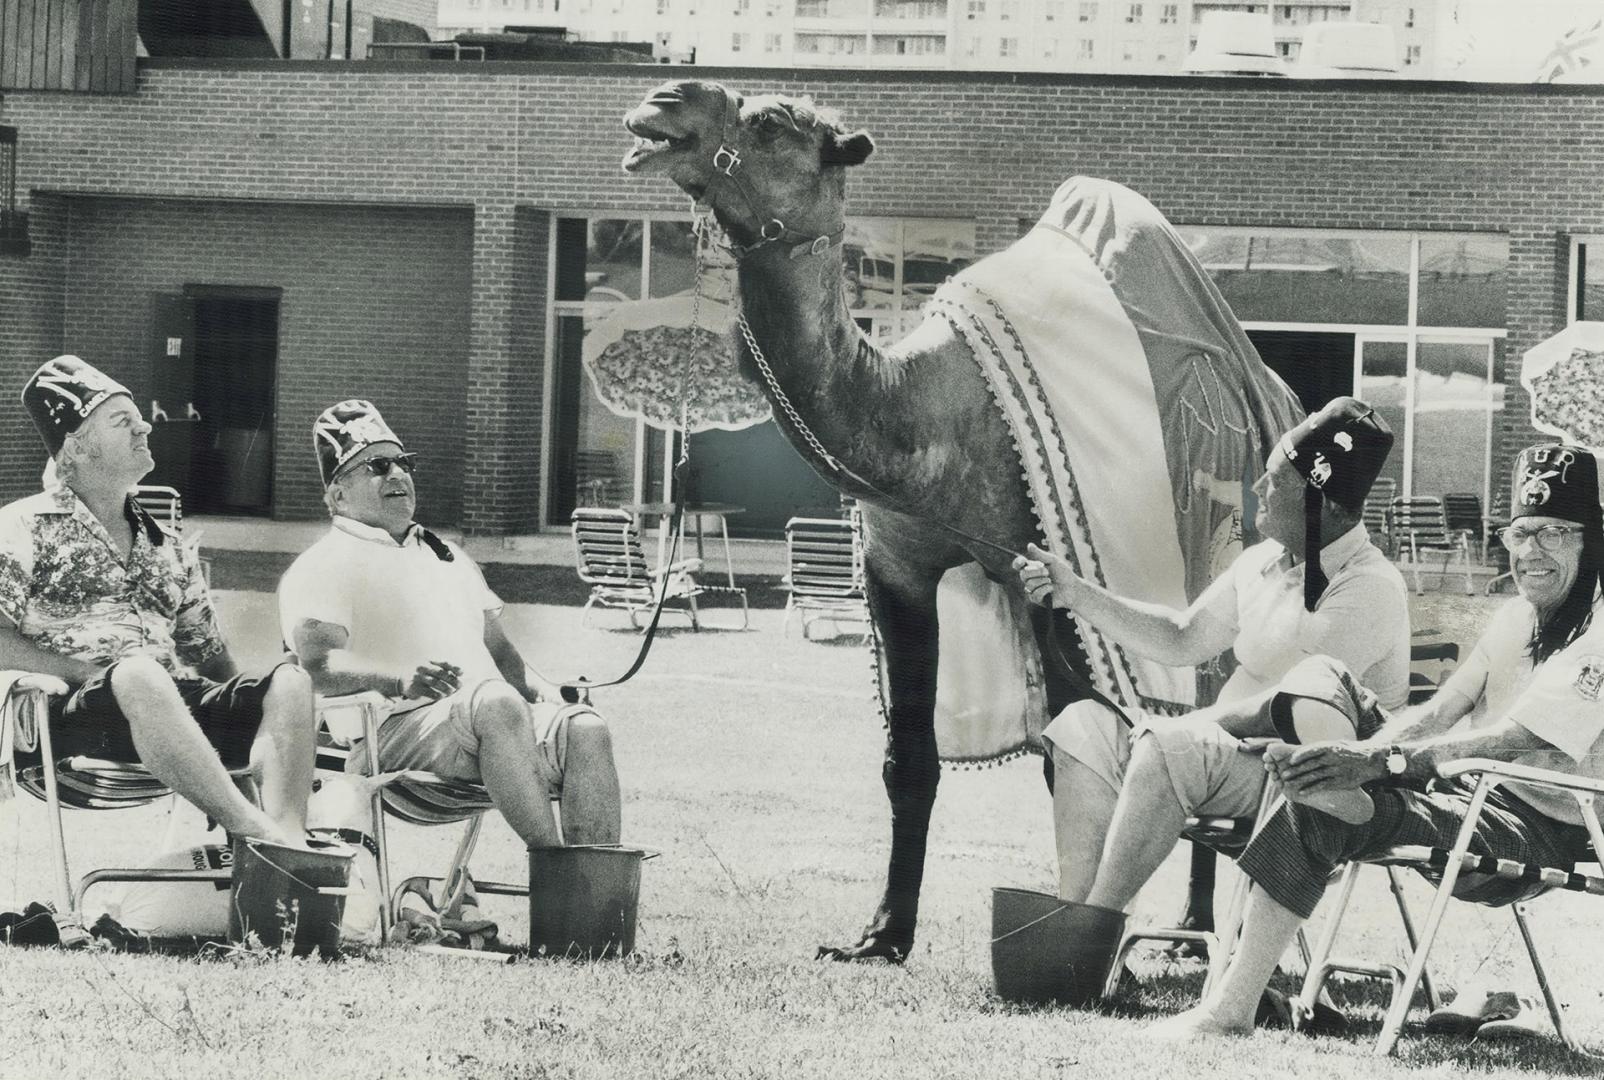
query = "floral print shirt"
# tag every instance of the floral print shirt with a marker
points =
(66, 589)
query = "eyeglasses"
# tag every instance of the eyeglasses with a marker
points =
(1549, 537)
(381, 466)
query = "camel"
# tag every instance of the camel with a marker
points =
(911, 431)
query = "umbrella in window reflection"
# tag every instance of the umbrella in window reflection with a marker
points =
(650, 358)
(1565, 378)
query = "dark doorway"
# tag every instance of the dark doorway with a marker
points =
(1317, 366)
(215, 361)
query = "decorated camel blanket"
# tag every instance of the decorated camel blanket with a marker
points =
(1140, 411)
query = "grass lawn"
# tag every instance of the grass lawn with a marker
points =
(752, 761)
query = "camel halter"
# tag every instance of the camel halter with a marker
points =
(726, 160)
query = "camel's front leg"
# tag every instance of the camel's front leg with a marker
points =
(905, 620)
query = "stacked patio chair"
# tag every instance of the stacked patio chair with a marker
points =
(1378, 512)
(1421, 530)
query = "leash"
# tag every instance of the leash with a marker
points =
(677, 483)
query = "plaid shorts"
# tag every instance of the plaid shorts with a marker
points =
(89, 723)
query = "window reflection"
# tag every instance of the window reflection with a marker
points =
(1451, 411)
(1384, 383)
(1462, 280)
(1303, 278)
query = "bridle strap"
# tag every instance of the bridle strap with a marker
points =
(726, 160)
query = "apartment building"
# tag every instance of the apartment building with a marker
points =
(1096, 36)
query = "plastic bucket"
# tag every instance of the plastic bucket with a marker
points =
(1047, 951)
(279, 890)
(583, 899)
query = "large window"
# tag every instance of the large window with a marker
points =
(1410, 322)
(629, 268)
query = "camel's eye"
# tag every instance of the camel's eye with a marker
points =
(772, 122)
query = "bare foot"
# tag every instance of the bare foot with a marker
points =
(1194, 1022)
(1353, 805)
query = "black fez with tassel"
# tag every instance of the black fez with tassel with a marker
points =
(1339, 451)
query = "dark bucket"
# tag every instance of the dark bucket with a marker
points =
(583, 899)
(1047, 951)
(276, 887)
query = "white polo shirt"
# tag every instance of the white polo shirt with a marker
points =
(1561, 700)
(402, 604)
(1362, 618)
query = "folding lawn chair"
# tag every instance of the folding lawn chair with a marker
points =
(1229, 836)
(1422, 529)
(1429, 664)
(610, 559)
(1378, 512)
(824, 571)
(1447, 866)
(1462, 513)
(415, 796)
(166, 505)
(81, 783)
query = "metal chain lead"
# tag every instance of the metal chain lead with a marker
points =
(780, 397)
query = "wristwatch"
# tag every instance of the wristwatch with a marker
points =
(1397, 761)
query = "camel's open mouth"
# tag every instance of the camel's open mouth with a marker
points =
(650, 141)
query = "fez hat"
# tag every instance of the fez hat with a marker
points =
(1339, 451)
(1556, 480)
(342, 431)
(61, 395)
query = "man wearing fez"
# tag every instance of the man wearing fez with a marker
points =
(1529, 692)
(95, 593)
(1314, 586)
(381, 603)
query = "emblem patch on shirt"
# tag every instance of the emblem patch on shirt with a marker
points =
(1590, 679)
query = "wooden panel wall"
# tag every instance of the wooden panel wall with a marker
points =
(84, 45)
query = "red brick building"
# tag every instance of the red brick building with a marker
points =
(402, 232)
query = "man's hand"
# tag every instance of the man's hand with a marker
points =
(1046, 577)
(1325, 766)
(435, 680)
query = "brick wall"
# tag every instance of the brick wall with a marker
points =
(375, 304)
(514, 140)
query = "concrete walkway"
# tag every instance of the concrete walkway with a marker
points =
(554, 547)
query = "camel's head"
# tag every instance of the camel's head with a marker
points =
(751, 158)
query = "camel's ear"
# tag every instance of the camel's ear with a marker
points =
(853, 149)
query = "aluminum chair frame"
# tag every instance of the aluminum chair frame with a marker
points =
(1230, 835)
(1450, 863)
(622, 578)
(82, 783)
(816, 589)
(420, 798)
(1424, 514)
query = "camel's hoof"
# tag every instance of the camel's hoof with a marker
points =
(872, 947)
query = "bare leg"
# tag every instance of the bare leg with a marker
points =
(1146, 824)
(1083, 806)
(507, 756)
(286, 748)
(590, 799)
(171, 746)
(1267, 930)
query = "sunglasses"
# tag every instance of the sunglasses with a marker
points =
(1549, 537)
(381, 466)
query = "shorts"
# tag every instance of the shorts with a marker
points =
(1209, 774)
(89, 723)
(440, 737)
